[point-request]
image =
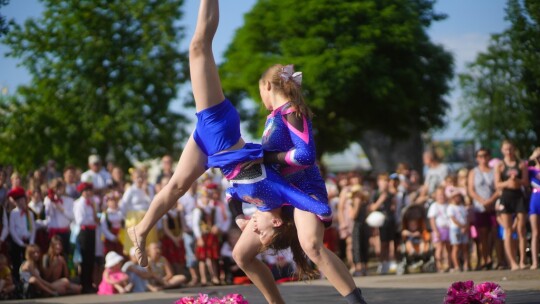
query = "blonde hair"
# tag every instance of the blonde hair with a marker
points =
(288, 88)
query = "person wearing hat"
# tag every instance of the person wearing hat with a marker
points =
(22, 228)
(534, 206)
(84, 211)
(96, 174)
(114, 279)
(138, 275)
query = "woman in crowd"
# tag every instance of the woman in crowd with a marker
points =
(511, 176)
(55, 267)
(30, 274)
(481, 188)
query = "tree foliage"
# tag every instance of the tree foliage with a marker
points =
(501, 88)
(103, 76)
(368, 65)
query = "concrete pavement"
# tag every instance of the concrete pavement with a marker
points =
(523, 287)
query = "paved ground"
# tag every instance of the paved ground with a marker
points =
(523, 287)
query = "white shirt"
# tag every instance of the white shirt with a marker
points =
(439, 212)
(115, 218)
(459, 212)
(136, 199)
(222, 217)
(83, 213)
(56, 217)
(435, 176)
(99, 180)
(189, 203)
(18, 227)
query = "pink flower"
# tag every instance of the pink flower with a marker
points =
(461, 293)
(185, 300)
(491, 293)
(205, 299)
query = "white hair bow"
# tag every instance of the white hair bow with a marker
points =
(288, 73)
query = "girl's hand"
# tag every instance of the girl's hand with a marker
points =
(200, 242)
(241, 221)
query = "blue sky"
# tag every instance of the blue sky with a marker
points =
(465, 32)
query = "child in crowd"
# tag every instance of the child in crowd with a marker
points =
(440, 227)
(361, 231)
(112, 221)
(162, 274)
(36, 206)
(6, 281)
(459, 230)
(385, 202)
(59, 211)
(172, 241)
(30, 275)
(22, 229)
(55, 267)
(114, 280)
(206, 234)
(138, 275)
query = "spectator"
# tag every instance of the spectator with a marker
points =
(4, 228)
(59, 213)
(30, 276)
(481, 188)
(37, 208)
(114, 279)
(459, 230)
(161, 269)
(55, 267)
(6, 280)
(361, 231)
(97, 175)
(70, 180)
(3, 190)
(166, 168)
(440, 228)
(51, 172)
(510, 176)
(436, 172)
(172, 242)
(189, 203)
(84, 210)
(112, 220)
(22, 229)
(385, 202)
(118, 183)
(134, 204)
(230, 268)
(138, 275)
(207, 249)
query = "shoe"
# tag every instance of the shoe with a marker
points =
(140, 246)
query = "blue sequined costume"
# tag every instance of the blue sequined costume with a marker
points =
(217, 129)
(292, 136)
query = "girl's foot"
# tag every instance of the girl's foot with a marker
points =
(514, 267)
(524, 266)
(534, 267)
(139, 243)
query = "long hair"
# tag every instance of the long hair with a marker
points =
(286, 236)
(288, 88)
(56, 239)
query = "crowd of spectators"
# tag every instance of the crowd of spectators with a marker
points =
(65, 233)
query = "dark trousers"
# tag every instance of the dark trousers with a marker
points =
(17, 257)
(87, 245)
(361, 234)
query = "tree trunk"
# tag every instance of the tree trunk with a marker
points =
(385, 153)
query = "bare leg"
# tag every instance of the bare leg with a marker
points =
(190, 166)
(245, 254)
(310, 234)
(506, 222)
(522, 237)
(534, 241)
(204, 74)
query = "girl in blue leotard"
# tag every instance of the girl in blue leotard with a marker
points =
(534, 206)
(217, 142)
(289, 147)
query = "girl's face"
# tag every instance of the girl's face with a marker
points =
(117, 174)
(456, 200)
(439, 196)
(16, 181)
(112, 203)
(264, 91)
(482, 158)
(382, 183)
(35, 255)
(138, 178)
(69, 176)
(58, 248)
(36, 196)
(507, 150)
(264, 224)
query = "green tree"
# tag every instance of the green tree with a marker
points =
(501, 88)
(3, 20)
(103, 76)
(369, 67)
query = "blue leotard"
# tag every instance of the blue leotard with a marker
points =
(292, 135)
(534, 177)
(217, 130)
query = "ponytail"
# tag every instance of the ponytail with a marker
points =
(286, 236)
(288, 83)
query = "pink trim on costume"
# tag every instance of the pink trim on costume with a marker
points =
(234, 173)
(288, 111)
(303, 135)
(289, 158)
